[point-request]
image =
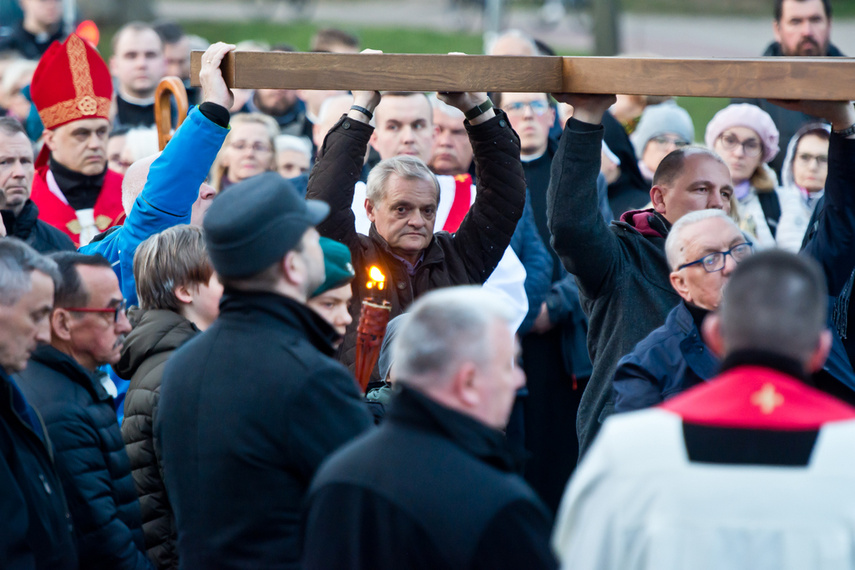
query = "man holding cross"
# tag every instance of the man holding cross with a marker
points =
(621, 269)
(402, 200)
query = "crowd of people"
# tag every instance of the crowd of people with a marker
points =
(180, 339)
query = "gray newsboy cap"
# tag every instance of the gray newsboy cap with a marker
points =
(255, 222)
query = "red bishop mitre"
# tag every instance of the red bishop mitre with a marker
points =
(71, 82)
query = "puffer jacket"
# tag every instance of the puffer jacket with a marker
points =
(467, 257)
(155, 337)
(90, 458)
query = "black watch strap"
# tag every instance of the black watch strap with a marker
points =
(478, 110)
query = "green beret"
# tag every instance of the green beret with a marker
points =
(337, 264)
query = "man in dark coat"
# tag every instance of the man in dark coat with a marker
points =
(621, 269)
(434, 486)
(62, 382)
(20, 214)
(37, 532)
(250, 407)
(402, 198)
(179, 296)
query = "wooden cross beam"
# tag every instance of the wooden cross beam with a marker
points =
(830, 79)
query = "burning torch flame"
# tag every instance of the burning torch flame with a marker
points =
(378, 280)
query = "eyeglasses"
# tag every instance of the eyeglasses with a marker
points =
(751, 147)
(122, 308)
(821, 159)
(663, 140)
(715, 261)
(257, 147)
(518, 107)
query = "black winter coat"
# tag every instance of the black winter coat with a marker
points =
(27, 227)
(430, 488)
(90, 458)
(467, 257)
(155, 337)
(36, 525)
(248, 410)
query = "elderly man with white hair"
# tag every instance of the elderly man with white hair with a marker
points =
(703, 248)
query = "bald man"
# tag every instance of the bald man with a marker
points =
(165, 190)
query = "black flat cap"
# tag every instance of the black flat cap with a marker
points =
(256, 222)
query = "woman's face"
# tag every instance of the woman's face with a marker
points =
(742, 151)
(810, 163)
(248, 153)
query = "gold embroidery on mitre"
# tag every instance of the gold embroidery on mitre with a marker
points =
(70, 110)
(74, 226)
(79, 64)
(103, 222)
(87, 105)
(767, 399)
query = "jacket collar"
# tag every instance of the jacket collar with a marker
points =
(22, 225)
(283, 310)
(63, 364)
(648, 223)
(774, 49)
(413, 409)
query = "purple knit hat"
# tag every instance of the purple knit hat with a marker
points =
(745, 115)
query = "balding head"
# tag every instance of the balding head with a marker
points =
(134, 181)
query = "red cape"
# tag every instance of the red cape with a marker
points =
(108, 207)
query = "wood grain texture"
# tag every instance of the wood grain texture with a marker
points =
(768, 78)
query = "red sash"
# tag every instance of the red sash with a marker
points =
(461, 203)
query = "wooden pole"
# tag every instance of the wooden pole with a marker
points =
(829, 79)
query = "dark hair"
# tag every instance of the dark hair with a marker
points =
(287, 48)
(323, 38)
(71, 292)
(170, 32)
(672, 165)
(775, 301)
(779, 8)
(11, 127)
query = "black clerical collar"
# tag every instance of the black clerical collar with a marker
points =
(81, 190)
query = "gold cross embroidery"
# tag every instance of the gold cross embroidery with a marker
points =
(767, 399)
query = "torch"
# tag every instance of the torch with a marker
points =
(371, 328)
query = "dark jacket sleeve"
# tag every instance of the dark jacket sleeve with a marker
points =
(832, 243)
(486, 231)
(635, 387)
(86, 482)
(15, 552)
(517, 537)
(580, 236)
(328, 412)
(335, 174)
(534, 256)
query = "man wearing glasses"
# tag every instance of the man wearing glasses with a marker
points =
(703, 248)
(621, 269)
(87, 329)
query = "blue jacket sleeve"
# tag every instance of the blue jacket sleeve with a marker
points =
(170, 190)
(534, 256)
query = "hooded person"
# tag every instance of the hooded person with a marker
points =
(803, 175)
(73, 188)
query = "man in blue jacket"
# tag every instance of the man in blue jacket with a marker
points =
(173, 188)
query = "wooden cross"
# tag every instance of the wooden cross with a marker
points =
(829, 79)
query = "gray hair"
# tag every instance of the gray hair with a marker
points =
(445, 108)
(674, 246)
(17, 262)
(406, 167)
(775, 301)
(445, 329)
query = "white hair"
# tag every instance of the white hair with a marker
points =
(406, 167)
(290, 142)
(674, 246)
(446, 328)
